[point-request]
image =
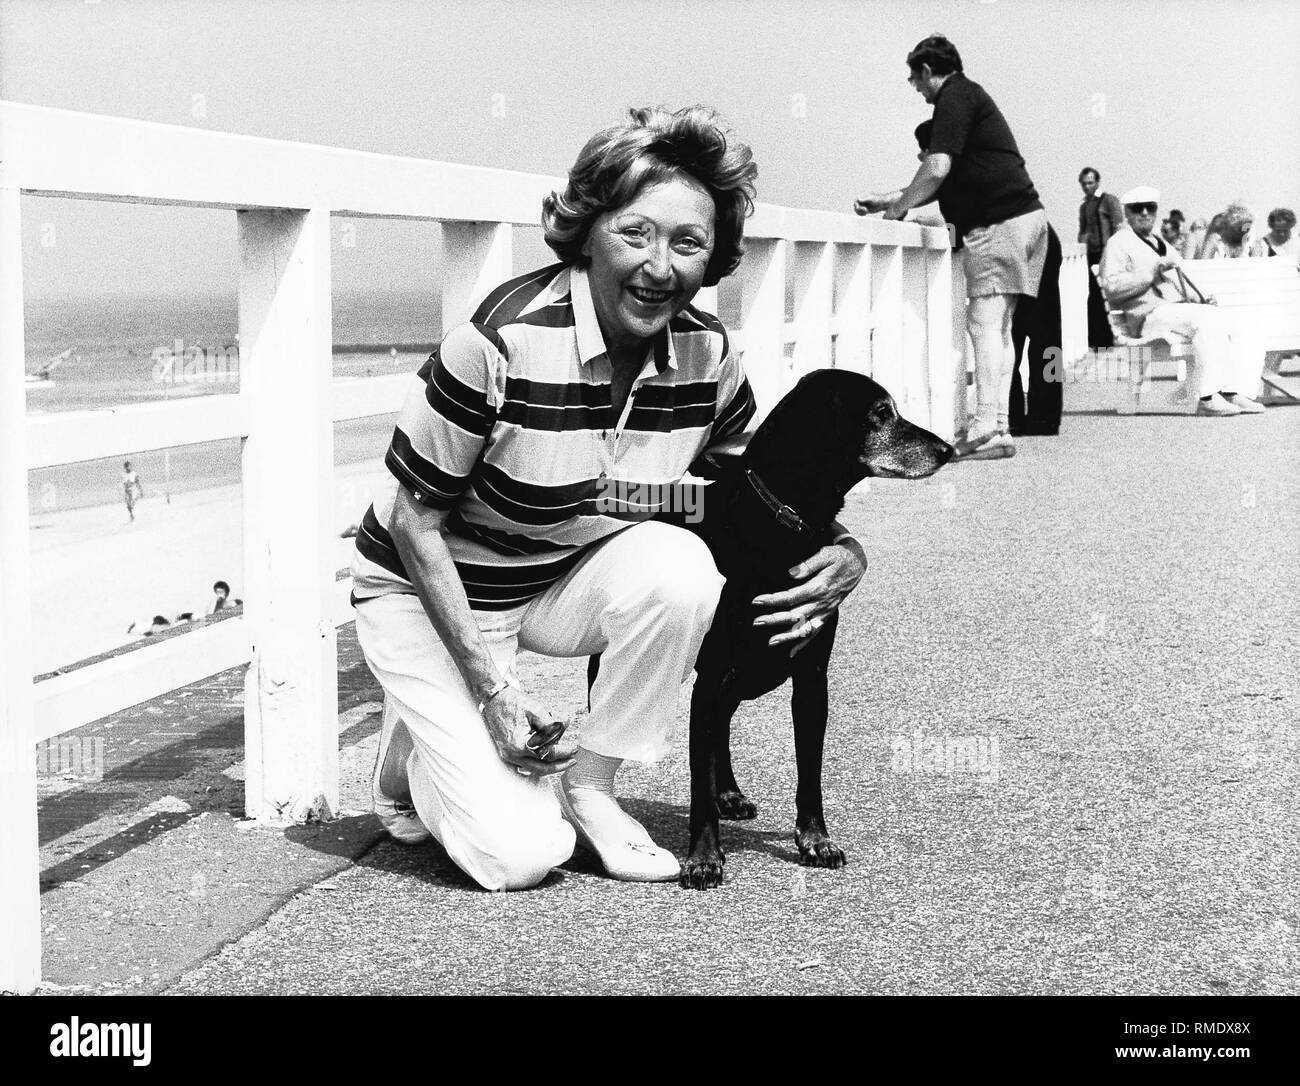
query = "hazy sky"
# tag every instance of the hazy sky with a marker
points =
(1180, 94)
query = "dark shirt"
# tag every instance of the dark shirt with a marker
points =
(988, 182)
(1099, 217)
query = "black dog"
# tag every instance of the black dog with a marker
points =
(769, 510)
(771, 507)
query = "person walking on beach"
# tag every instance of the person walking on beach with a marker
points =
(220, 597)
(132, 490)
(974, 168)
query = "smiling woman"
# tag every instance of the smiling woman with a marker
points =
(502, 529)
(618, 164)
(647, 260)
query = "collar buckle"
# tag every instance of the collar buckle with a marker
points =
(785, 516)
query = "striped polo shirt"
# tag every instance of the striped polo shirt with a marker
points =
(510, 426)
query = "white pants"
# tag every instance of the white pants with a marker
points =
(643, 598)
(1225, 356)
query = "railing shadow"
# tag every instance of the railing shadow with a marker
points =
(192, 769)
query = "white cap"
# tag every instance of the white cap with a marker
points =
(1143, 194)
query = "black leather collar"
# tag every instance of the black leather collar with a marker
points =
(785, 516)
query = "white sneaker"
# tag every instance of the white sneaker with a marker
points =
(979, 444)
(620, 841)
(1244, 404)
(397, 814)
(1216, 406)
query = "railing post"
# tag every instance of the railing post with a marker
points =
(944, 364)
(476, 258)
(887, 317)
(1074, 302)
(291, 688)
(963, 406)
(913, 392)
(853, 308)
(20, 895)
(762, 318)
(814, 267)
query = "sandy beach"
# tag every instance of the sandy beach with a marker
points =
(94, 571)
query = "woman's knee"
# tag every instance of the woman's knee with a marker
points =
(677, 571)
(514, 857)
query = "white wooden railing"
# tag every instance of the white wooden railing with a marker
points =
(868, 295)
(1074, 301)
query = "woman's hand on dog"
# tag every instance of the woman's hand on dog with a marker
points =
(827, 579)
(527, 737)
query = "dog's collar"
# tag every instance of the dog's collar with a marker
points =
(785, 516)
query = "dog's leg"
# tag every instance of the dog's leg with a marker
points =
(711, 706)
(733, 804)
(809, 705)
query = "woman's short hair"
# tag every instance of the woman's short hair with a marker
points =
(1089, 170)
(923, 132)
(936, 51)
(1281, 216)
(653, 146)
(1235, 217)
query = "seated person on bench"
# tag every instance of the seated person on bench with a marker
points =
(1134, 280)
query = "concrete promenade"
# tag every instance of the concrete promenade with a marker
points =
(1062, 757)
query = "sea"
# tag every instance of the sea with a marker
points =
(115, 350)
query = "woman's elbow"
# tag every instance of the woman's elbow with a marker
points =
(413, 526)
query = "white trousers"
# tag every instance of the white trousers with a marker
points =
(643, 598)
(1225, 357)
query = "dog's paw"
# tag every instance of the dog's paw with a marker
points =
(819, 851)
(736, 806)
(701, 873)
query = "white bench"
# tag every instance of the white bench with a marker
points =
(1268, 288)
(1148, 374)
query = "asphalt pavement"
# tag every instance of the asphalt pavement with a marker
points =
(1061, 756)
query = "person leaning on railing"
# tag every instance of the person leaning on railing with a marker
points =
(505, 528)
(973, 167)
(1140, 276)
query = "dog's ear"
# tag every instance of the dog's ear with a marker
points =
(847, 416)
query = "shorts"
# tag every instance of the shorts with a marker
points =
(1007, 257)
